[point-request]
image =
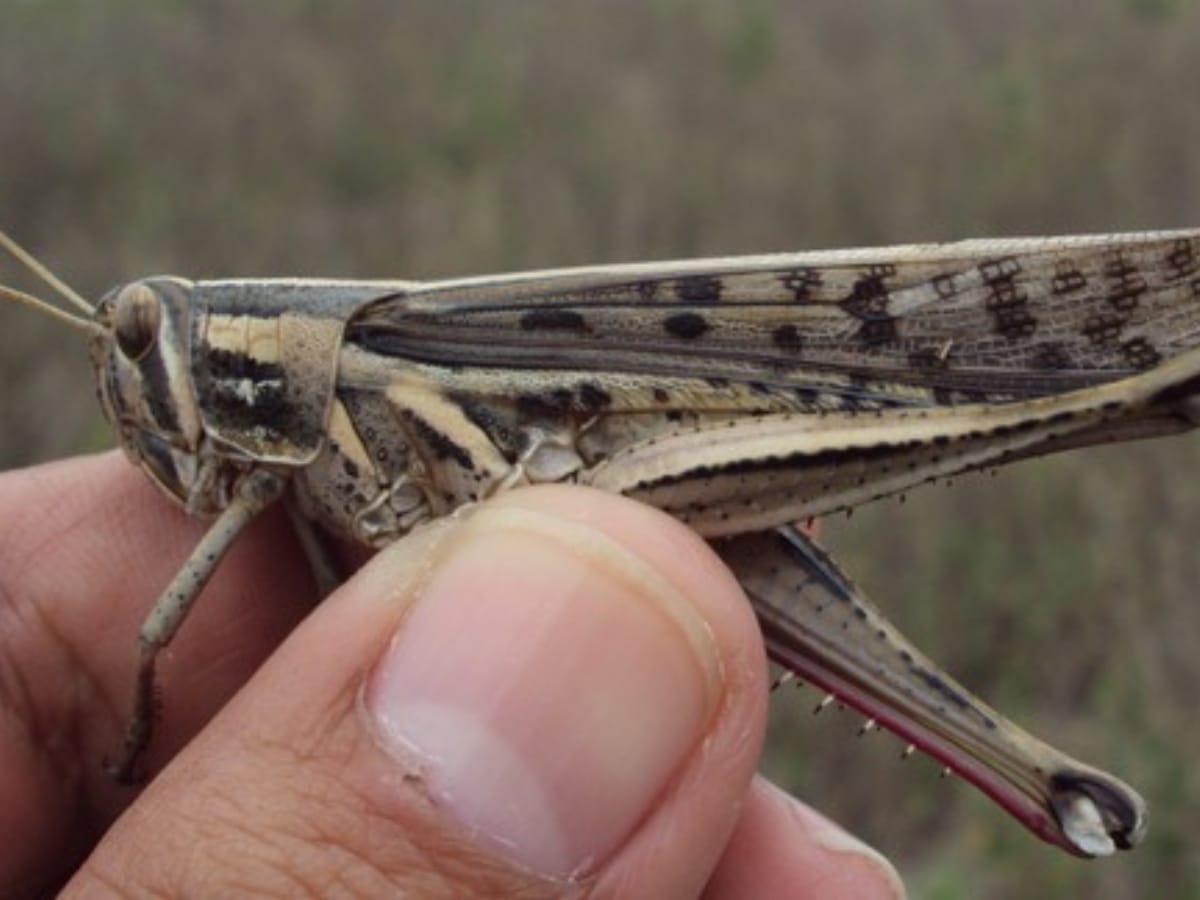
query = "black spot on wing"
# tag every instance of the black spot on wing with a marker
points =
(868, 302)
(1140, 353)
(1126, 284)
(698, 289)
(1182, 260)
(874, 332)
(1067, 279)
(945, 285)
(1006, 299)
(554, 320)
(686, 326)
(869, 295)
(788, 337)
(927, 359)
(1104, 327)
(942, 396)
(801, 282)
(1052, 356)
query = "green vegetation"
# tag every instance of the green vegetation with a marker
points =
(452, 138)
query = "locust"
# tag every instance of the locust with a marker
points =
(742, 395)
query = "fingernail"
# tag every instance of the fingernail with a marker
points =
(547, 682)
(832, 837)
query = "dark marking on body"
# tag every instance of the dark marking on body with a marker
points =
(231, 364)
(158, 397)
(544, 405)
(661, 396)
(441, 444)
(587, 399)
(943, 688)
(272, 413)
(485, 416)
(685, 326)
(594, 398)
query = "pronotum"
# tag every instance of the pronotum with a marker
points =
(741, 395)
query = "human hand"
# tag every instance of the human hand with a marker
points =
(557, 691)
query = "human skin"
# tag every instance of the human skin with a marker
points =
(558, 691)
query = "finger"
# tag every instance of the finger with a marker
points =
(86, 546)
(561, 687)
(782, 848)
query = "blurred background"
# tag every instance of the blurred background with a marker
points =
(354, 140)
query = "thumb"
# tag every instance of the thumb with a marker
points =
(559, 688)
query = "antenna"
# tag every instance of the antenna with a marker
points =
(37, 268)
(83, 323)
(50, 309)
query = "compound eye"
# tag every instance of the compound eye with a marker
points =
(135, 320)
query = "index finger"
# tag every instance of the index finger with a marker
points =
(86, 546)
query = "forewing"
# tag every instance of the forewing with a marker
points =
(969, 321)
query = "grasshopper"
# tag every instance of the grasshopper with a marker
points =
(741, 395)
